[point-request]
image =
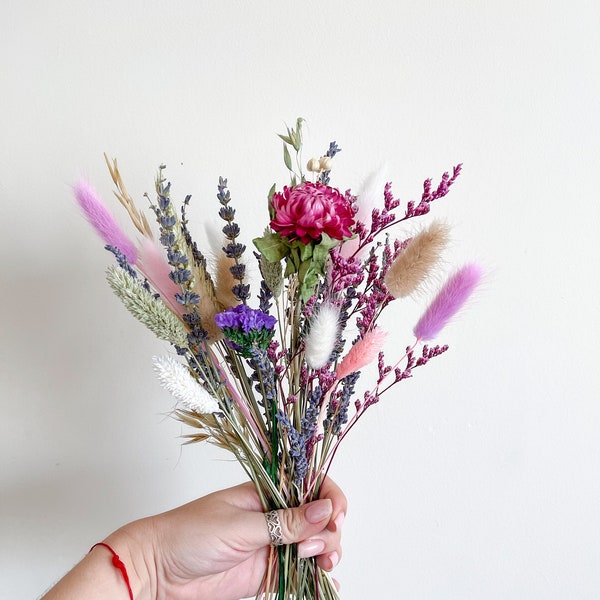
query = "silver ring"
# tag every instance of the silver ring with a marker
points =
(274, 525)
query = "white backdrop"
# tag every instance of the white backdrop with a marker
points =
(479, 478)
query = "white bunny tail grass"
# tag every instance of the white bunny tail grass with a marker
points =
(322, 337)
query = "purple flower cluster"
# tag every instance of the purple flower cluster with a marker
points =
(245, 319)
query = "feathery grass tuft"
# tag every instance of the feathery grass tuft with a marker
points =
(448, 301)
(176, 378)
(102, 220)
(362, 353)
(415, 262)
(323, 336)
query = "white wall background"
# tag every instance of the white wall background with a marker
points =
(477, 479)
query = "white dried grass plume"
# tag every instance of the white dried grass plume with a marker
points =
(175, 378)
(322, 337)
(370, 194)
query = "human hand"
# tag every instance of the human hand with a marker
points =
(217, 546)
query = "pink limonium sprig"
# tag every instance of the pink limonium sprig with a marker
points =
(449, 300)
(103, 221)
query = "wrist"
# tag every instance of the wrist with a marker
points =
(134, 543)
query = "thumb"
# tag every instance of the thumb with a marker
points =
(300, 523)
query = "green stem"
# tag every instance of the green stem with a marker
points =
(282, 573)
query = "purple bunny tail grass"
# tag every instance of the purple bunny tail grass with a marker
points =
(449, 300)
(102, 220)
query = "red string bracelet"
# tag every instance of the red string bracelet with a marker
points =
(117, 563)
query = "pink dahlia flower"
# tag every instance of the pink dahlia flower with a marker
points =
(308, 210)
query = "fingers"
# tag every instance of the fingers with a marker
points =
(326, 544)
(305, 521)
(315, 526)
(330, 490)
(332, 554)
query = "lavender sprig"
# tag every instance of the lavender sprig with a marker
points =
(233, 249)
(173, 237)
(331, 152)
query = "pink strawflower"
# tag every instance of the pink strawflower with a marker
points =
(449, 300)
(308, 210)
(364, 351)
(102, 220)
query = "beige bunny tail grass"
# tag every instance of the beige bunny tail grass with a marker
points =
(415, 262)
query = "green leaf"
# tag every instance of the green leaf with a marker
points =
(309, 279)
(287, 159)
(321, 250)
(304, 270)
(270, 197)
(302, 251)
(297, 137)
(272, 247)
(285, 138)
(306, 251)
(295, 257)
(290, 267)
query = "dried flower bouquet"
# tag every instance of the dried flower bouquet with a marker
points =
(276, 384)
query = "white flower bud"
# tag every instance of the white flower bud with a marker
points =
(313, 165)
(325, 163)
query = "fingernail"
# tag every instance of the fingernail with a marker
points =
(318, 510)
(310, 548)
(339, 521)
(334, 558)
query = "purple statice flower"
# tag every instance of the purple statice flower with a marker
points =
(245, 327)
(245, 319)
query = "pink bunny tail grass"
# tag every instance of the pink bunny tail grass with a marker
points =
(102, 221)
(449, 300)
(157, 269)
(364, 351)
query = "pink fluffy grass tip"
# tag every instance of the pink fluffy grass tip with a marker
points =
(102, 220)
(449, 300)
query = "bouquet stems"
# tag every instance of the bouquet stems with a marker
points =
(295, 578)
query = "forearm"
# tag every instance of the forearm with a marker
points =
(97, 578)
